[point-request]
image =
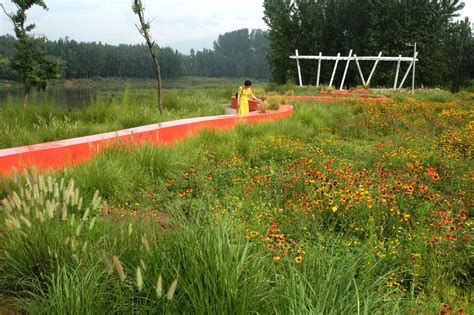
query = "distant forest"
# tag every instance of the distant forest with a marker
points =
(240, 53)
(445, 43)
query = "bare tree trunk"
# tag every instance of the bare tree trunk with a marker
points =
(158, 78)
(144, 31)
(27, 92)
(160, 96)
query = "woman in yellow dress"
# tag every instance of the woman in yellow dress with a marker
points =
(243, 98)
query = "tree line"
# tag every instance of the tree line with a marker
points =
(235, 54)
(446, 46)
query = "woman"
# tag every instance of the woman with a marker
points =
(243, 98)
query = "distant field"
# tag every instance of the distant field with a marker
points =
(119, 83)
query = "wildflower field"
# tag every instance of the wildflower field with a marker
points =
(344, 208)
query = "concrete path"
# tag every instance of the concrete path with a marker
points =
(229, 110)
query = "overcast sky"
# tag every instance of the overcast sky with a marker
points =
(181, 24)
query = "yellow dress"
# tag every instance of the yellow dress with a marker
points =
(244, 100)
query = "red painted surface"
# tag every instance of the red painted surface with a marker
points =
(347, 92)
(57, 154)
(253, 105)
(329, 99)
(337, 92)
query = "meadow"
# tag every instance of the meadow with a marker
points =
(90, 106)
(344, 208)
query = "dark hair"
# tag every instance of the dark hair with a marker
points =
(248, 83)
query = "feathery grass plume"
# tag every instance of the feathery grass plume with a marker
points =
(40, 216)
(42, 184)
(145, 243)
(79, 204)
(118, 267)
(63, 213)
(50, 208)
(96, 200)
(78, 229)
(108, 264)
(139, 279)
(159, 287)
(26, 221)
(91, 225)
(36, 194)
(172, 290)
(13, 223)
(16, 200)
(50, 184)
(6, 206)
(142, 264)
(84, 246)
(96, 196)
(26, 209)
(76, 197)
(28, 194)
(56, 191)
(86, 214)
(73, 244)
(130, 229)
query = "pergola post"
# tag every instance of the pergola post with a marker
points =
(319, 69)
(373, 69)
(299, 68)
(360, 70)
(335, 68)
(345, 70)
(398, 71)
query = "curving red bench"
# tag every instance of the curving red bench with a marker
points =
(253, 105)
(57, 154)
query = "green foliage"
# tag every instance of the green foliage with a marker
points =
(30, 61)
(446, 46)
(236, 54)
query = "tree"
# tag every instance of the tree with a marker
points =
(367, 27)
(30, 62)
(144, 30)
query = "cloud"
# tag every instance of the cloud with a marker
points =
(181, 24)
(174, 23)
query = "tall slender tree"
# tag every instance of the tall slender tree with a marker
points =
(31, 61)
(144, 29)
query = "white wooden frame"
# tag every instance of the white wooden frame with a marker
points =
(351, 57)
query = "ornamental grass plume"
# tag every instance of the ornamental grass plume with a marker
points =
(172, 290)
(139, 279)
(118, 267)
(159, 287)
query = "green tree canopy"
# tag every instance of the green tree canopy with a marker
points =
(367, 27)
(30, 61)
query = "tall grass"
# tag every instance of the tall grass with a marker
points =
(54, 267)
(44, 120)
(240, 238)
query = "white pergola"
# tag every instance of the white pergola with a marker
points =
(354, 57)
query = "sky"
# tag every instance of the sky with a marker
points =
(180, 24)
